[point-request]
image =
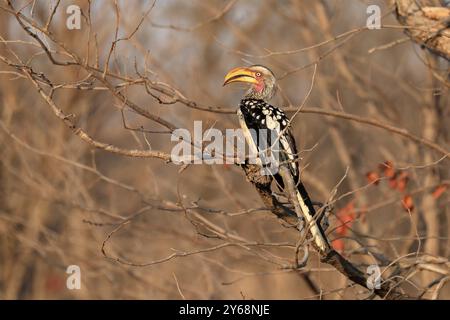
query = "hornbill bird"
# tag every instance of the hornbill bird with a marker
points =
(256, 115)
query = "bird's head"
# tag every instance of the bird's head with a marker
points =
(262, 81)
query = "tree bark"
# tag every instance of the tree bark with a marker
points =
(428, 26)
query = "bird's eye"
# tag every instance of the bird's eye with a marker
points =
(258, 74)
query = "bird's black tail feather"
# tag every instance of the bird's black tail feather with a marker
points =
(312, 221)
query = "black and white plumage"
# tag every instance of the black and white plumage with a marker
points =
(258, 115)
(255, 116)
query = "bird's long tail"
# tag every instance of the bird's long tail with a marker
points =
(309, 214)
(303, 207)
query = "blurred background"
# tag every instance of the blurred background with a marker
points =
(60, 198)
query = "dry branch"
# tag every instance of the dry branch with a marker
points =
(262, 183)
(427, 26)
(30, 187)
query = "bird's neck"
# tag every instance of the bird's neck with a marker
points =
(254, 95)
(245, 98)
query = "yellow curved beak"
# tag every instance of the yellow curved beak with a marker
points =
(241, 74)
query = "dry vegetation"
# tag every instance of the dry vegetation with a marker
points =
(85, 172)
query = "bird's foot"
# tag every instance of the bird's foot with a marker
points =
(325, 210)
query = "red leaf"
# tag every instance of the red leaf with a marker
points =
(402, 181)
(338, 245)
(408, 203)
(439, 191)
(54, 283)
(342, 229)
(346, 215)
(373, 177)
(393, 183)
(388, 169)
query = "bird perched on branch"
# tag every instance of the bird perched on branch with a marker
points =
(256, 115)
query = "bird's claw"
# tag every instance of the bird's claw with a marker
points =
(323, 220)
